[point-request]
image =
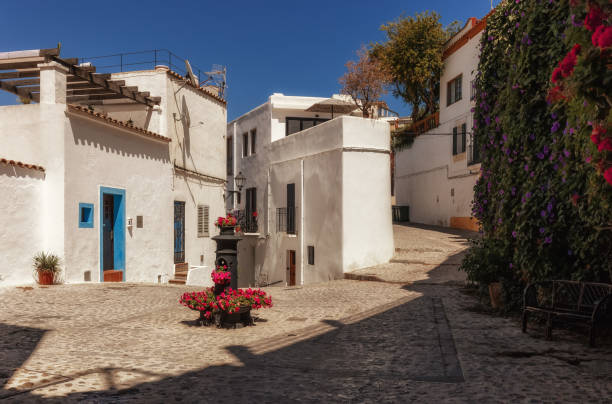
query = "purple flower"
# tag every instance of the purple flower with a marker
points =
(499, 220)
(566, 153)
(532, 136)
(542, 230)
(513, 190)
(501, 191)
(549, 207)
(514, 234)
(541, 156)
(548, 240)
(543, 213)
(555, 127)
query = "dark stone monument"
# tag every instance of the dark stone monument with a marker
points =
(227, 252)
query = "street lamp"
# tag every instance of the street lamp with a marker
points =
(239, 181)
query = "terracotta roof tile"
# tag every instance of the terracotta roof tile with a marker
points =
(21, 164)
(477, 26)
(96, 115)
(200, 89)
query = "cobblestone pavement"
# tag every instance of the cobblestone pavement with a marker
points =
(344, 341)
(419, 249)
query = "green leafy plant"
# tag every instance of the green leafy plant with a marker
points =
(544, 208)
(47, 262)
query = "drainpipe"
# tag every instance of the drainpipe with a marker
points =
(302, 233)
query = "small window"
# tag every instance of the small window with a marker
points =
(453, 90)
(310, 255)
(245, 144)
(139, 222)
(86, 215)
(459, 139)
(230, 156)
(253, 140)
(203, 221)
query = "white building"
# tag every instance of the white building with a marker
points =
(435, 177)
(320, 187)
(124, 172)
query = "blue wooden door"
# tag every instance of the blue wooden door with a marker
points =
(179, 232)
(108, 224)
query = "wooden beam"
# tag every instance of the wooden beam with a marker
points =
(28, 82)
(21, 74)
(87, 91)
(156, 100)
(20, 63)
(81, 84)
(104, 82)
(85, 98)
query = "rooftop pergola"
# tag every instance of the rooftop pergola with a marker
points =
(20, 75)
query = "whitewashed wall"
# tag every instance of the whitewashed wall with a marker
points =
(21, 210)
(435, 184)
(98, 155)
(34, 134)
(327, 193)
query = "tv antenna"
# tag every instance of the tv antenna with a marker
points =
(217, 78)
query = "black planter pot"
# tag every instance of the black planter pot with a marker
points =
(227, 230)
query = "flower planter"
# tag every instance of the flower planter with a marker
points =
(227, 230)
(242, 316)
(495, 294)
(45, 277)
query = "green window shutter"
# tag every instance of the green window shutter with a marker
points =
(463, 133)
(454, 140)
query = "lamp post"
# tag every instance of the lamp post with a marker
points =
(239, 181)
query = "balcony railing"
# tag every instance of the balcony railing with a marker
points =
(473, 151)
(247, 221)
(429, 122)
(285, 220)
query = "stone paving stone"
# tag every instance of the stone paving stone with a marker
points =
(337, 342)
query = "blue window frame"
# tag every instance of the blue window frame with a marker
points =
(86, 215)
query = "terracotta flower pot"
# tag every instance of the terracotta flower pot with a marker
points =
(495, 293)
(45, 278)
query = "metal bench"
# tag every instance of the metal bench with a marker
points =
(570, 301)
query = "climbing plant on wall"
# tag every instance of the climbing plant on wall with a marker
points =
(544, 207)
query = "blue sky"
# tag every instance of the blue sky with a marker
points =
(291, 47)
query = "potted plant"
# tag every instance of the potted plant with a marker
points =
(226, 224)
(47, 266)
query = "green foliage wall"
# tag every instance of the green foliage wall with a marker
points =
(543, 209)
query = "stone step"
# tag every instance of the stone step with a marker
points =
(180, 275)
(181, 267)
(177, 281)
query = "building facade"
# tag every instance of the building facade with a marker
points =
(319, 187)
(121, 172)
(435, 177)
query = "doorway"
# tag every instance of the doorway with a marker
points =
(291, 267)
(179, 232)
(112, 231)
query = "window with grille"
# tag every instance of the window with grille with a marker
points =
(459, 139)
(453, 90)
(253, 140)
(203, 221)
(310, 255)
(245, 144)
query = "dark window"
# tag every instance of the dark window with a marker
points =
(295, 125)
(251, 202)
(139, 221)
(245, 144)
(453, 90)
(459, 139)
(253, 140)
(310, 255)
(86, 215)
(230, 156)
(463, 135)
(290, 208)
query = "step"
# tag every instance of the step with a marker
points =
(181, 267)
(180, 275)
(113, 276)
(177, 281)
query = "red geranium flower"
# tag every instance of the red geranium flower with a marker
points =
(608, 175)
(602, 37)
(596, 134)
(594, 18)
(605, 144)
